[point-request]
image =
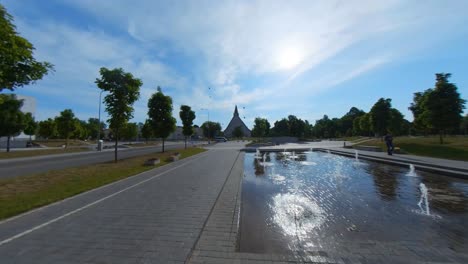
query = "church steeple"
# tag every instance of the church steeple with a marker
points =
(236, 113)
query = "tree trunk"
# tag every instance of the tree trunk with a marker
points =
(115, 147)
(163, 145)
(66, 142)
(185, 142)
(441, 139)
(8, 144)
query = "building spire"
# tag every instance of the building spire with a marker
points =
(236, 113)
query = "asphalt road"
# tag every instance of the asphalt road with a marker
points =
(24, 166)
(154, 217)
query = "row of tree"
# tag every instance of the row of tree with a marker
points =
(436, 111)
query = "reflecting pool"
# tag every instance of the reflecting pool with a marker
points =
(296, 202)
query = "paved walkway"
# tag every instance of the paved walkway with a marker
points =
(155, 217)
(186, 212)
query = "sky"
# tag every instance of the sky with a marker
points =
(270, 58)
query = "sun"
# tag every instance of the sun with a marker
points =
(289, 58)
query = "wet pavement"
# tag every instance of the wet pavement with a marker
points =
(319, 202)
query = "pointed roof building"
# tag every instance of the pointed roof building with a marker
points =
(236, 121)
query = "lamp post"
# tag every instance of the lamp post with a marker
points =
(99, 120)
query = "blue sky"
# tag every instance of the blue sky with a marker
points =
(271, 58)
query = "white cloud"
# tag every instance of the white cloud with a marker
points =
(186, 47)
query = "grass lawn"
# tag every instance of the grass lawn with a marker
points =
(21, 194)
(454, 148)
(38, 152)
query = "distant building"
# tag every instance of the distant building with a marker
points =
(236, 121)
(179, 135)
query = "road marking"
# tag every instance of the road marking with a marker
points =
(3, 242)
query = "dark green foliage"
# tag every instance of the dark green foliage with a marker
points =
(187, 116)
(261, 127)
(12, 120)
(291, 126)
(66, 124)
(160, 114)
(438, 109)
(47, 128)
(380, 115)
(211, 129)
(129, 131)
(30, 125)
(441, 107)
(17, 64)
(147, 130)
(123, 90)
(94, 128)
(347, 121)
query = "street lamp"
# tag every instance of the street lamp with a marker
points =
(99, 120)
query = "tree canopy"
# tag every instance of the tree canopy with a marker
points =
(18, 67)
(160, 114)
(66, 124)
(187, 116)
(438, 109)
(30, 125)
(261, 127)
(211, 129)
(12, 120)
(123, 91)
(47, 128)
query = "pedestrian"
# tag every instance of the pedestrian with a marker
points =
(389, 141)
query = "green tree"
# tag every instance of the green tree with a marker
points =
(66, 124)
(380, 115)
(281, 128)
(365, 124)
(397, 125)
(211, 129)
(94, 128)
(347, 121)
(47, 128)
(18, 67)
(187, 116)
(261, 127)
(123, 91)
(442, 106)
(296, 126)
(12, 120)
(356, 126)
(147, 130)
(417, 108)
(30, 125)
(129, 131)
(160, 114)
(237, 132)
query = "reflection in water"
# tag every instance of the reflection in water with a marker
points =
(321, 201)
(385, 180)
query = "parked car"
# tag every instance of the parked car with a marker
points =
(220, 139)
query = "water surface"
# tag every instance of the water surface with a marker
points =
(320, 201)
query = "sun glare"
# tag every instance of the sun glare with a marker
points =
(289, 58)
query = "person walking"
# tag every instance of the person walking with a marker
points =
(389, 142)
